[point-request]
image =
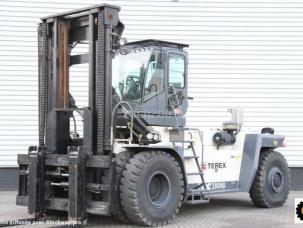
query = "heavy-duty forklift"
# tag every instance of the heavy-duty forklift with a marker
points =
(135, 158)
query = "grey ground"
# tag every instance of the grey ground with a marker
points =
(228, 210)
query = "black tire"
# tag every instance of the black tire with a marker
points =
(121, 160)
(151, 188)
(272, 181)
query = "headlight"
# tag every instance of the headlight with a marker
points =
(152, 136)
(156, 137)
(149, 136)
(122, 41)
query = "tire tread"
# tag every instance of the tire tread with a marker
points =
(129, 179)
(121, 160)
(256, 192)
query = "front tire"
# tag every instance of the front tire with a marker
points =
(272, 181)
(121, 160)
(151, 188)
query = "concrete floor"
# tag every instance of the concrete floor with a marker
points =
(228, 210)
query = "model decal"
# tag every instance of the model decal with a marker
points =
(216, 185)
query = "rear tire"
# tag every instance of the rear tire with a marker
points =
(151, 188)
(272, 181)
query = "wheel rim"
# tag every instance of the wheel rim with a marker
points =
(159, 189)
(276, 180)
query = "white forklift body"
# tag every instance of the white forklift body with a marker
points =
(225, 168)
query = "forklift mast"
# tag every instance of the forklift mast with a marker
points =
(65, 171)
(136, 159)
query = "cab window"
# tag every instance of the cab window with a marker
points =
(154, 82)
(176, 70)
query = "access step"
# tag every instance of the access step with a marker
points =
(190, 157)
(194, 173)
(200, 201)
(197, 196)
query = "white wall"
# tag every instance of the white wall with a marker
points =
(242, 53)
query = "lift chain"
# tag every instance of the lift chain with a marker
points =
(42, 52)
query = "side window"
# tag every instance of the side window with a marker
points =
(154, 82)
(176, 70)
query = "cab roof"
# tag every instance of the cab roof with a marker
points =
(159, 43)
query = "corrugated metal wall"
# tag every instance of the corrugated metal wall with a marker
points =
(242, 53)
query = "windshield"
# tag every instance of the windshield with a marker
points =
(128, 74)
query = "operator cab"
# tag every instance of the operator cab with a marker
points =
(152, 76)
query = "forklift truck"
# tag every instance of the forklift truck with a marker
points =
(136, 159)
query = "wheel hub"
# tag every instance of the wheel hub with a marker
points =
(159, 189)
(276, 180)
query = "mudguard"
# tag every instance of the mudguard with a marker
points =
(251, 153)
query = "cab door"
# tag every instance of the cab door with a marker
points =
(176, 87)
(153, 90)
